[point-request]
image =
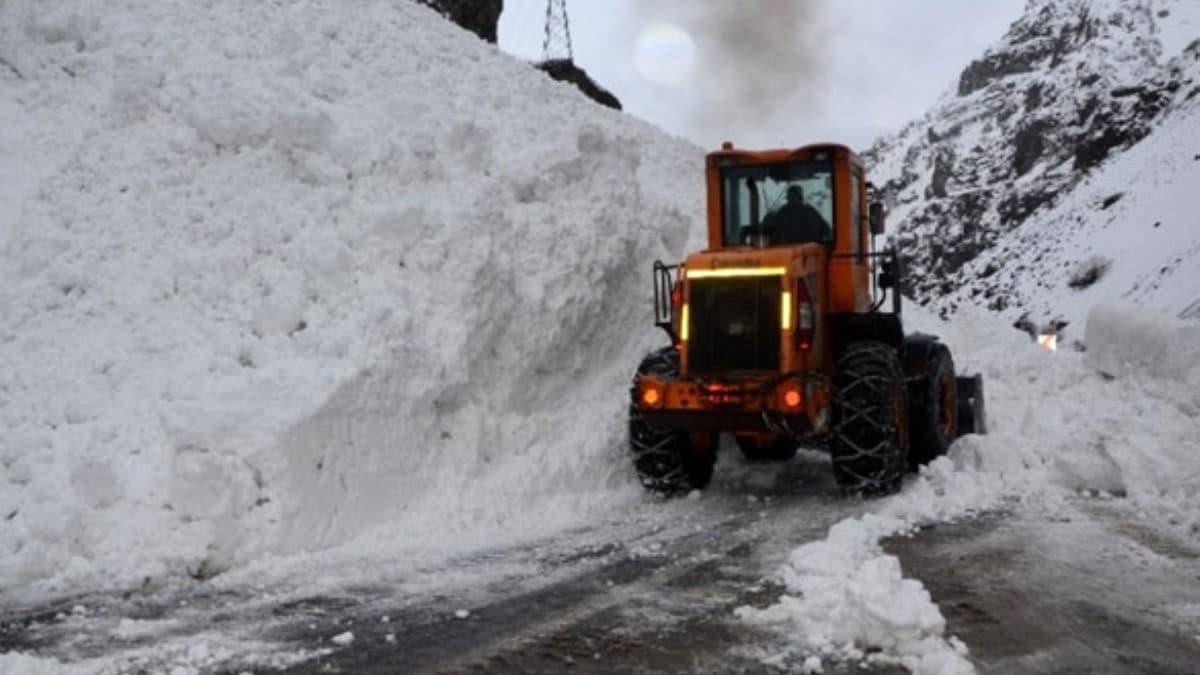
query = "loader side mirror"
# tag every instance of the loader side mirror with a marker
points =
(877, 217)
(887, 275)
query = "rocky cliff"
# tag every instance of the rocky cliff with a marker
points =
(1072, 85)
(481, 17)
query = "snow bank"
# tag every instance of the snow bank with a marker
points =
(274, 275)
(1057, 423)
(1123, 339)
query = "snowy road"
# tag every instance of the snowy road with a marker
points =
(1031, 588)
(656, 591)
(659, 599)
(1085, 588)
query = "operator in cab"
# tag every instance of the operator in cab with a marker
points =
(797, 222)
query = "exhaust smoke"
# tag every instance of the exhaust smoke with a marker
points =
(759, 66)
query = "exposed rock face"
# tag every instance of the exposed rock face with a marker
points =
(564, 70)
(1072, 83)
(481, 17)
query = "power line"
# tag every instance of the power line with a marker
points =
(557, 45)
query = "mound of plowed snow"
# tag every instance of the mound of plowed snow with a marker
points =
(1062, 421)
(1126, 340)
(274, 274)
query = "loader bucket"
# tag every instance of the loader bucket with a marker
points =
(972, 418)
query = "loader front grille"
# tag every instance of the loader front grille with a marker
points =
(734, 325)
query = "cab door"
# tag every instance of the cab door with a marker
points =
(849, 267)
(860, 241)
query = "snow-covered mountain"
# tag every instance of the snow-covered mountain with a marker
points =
(273, 274)
(1058, 170)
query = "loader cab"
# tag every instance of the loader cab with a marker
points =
(784, 199)
(763, 199)
(777, 204)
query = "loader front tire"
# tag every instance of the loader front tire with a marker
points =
(667, 461)
(869, 443)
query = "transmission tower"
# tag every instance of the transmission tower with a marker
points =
(557, 46)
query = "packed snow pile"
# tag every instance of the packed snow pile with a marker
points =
(1075, 136)
(274, 274)
(848, 601)
(1058, 423)
(1126, 340)
(1057, 428)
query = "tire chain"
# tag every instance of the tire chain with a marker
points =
(853, 414)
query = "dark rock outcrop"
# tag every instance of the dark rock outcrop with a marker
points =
(565, 70)
(1029, 144)
(481, 17)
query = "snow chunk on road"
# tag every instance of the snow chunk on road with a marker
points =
(847, 597)
(848, 600)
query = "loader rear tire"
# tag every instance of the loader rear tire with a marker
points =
(776, 450)
(933, 415)
(869, 443)
(666, 460)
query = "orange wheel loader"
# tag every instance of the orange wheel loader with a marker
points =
(786, 331)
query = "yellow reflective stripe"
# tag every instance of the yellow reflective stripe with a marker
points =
(786, 321)
(684, 324)
(734, 272)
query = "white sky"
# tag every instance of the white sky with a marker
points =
(889, 61)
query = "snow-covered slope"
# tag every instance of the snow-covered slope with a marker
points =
(1001, 192)
(1130, 230)
(274, 274)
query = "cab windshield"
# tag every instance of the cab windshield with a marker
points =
(778, 204)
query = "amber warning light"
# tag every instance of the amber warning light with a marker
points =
(652, 395)
(791, 395)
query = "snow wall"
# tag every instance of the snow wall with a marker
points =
(1123, 340)
(1123, 418)
(274, 274)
